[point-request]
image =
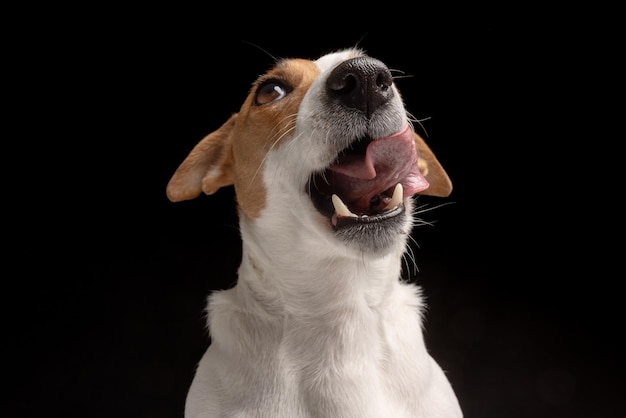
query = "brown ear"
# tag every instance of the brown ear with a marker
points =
(208, 166)
(431, 169)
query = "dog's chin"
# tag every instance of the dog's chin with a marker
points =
(377, 234)
(376, 230)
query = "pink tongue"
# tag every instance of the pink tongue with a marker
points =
(387, 162)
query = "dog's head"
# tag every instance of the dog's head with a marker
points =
(323, 144)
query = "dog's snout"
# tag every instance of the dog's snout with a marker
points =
(362, 83)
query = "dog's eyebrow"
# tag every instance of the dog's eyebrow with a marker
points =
(277, 72)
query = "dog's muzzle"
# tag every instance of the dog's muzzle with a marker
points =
(369, 179)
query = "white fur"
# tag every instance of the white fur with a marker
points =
(314, 328)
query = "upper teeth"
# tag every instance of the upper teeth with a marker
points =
(342, 210)
(396, 198)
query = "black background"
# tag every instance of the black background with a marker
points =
(106, 280)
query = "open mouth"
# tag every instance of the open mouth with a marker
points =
(368, 181)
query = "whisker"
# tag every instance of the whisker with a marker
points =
(423, 208)
(412, 119)
(415, 119)
(399, 74)
(358, 43)
(262, 50)
(323, 176)
(288, 145)
(411, 254)
(398, 77)
(405, 270)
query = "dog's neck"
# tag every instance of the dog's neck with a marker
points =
(289, 272)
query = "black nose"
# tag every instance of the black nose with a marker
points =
(361, 83)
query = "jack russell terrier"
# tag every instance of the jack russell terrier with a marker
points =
(324, 161)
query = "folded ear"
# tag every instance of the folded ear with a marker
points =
(431, 169)
(208, 166)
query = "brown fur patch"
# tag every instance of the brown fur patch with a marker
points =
(206, 168)
(234, 153)
(431, 169)
(260, 128)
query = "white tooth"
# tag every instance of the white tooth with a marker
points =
(396, 199)
(340, 208)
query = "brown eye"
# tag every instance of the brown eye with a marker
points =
(269, 91)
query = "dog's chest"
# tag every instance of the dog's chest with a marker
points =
(329, 389)
(348, 363)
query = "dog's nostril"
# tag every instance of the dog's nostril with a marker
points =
(384, 80)
(361, 83)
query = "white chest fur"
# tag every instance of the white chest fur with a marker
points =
(325, 355)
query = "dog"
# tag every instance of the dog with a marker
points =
(325, 162)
